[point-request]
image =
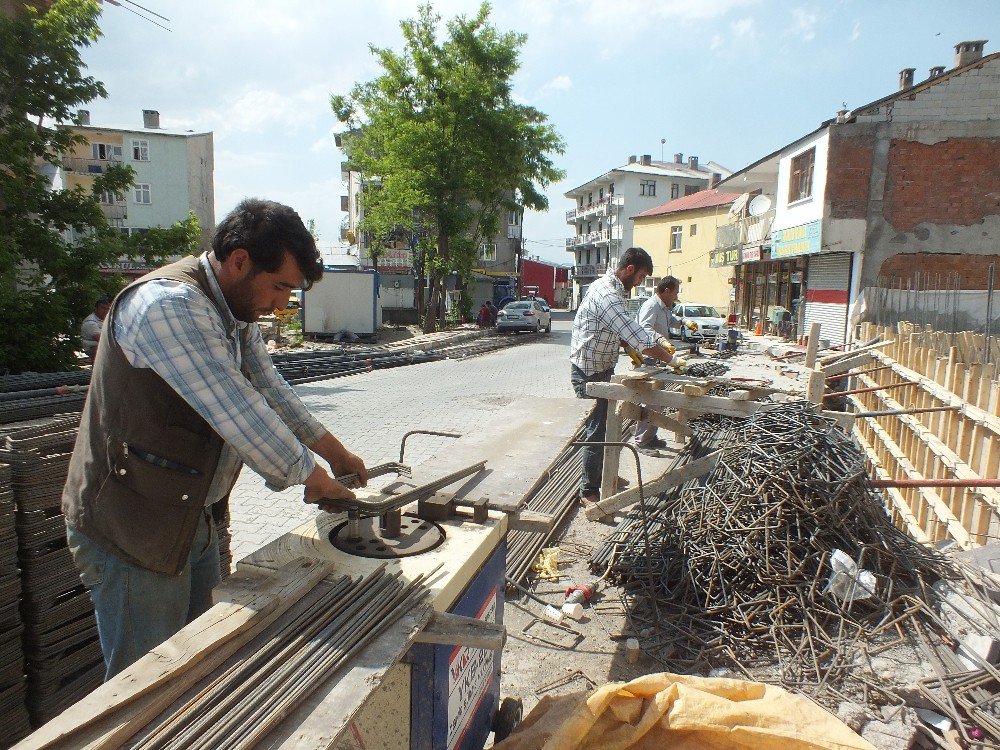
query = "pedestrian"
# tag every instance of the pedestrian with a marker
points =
(484, 316)
(183, 393)
(90, 329)
(656, 315)
(599, 328)
(493, 313)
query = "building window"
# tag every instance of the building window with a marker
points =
(590, 199)
(800, 186)
(611, 190)
(647, 187)
(600, 195)
(694, 230)
(488, 252)
(106, 151)
(691, 189)
(140, 150)
(142, 194)
(581, 201)
(108, 198)
(675, 237)
(675, 190)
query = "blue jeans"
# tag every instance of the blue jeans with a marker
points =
(136, 608)
(595, 429)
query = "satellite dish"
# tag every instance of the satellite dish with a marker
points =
(759, 205)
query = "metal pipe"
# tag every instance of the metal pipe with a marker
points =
(882, 483)
(837, 394)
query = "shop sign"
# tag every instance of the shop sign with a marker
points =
(751, 254)
(801, 240)
(773, 278)
(797, 277)
(728, 256)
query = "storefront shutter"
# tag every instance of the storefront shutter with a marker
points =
(827, 295)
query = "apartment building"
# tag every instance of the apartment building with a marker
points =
(897, 194)
(601, 219)
(680, 237)
(174, 175)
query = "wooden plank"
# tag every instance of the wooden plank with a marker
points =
(816, 388)
(843, 365)
(673, 400)
(812, 347)
(669, 480)
(455, 630)
(612, 454)
(528, 520)
(116, 710)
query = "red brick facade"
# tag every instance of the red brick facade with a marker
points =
(850, 162)
(934, 269)
(956, 181)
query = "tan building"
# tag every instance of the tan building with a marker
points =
(680, 236)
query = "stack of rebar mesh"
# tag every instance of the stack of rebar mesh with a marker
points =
(62, 654)
(737, 569)
(13, 710)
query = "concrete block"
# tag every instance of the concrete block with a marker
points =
(985, 647)
(895, 735)
(853, 715)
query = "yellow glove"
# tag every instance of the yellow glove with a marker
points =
(691, 325)
(679, 364)
(664, 343)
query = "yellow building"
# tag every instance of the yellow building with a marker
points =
(680, 236)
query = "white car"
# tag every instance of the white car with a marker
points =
(525, 315)
(708, 320)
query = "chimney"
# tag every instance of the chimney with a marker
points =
(969, 52)
(714, 180)
(842, 114)
(632, 159)
(936, 71)
(678, 158)
(693, 163)
(906, 78)
(647, 159)
(150, 119)
(83, 116)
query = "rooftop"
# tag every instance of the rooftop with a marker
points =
(701, 199)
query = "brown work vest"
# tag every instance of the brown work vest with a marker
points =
(144, 459)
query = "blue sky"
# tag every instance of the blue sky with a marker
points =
(726, 80)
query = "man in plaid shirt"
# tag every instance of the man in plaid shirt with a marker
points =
(600, 327)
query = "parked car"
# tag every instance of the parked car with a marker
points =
(524, 315)
(708, 320)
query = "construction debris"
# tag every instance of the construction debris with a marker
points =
(734, 569)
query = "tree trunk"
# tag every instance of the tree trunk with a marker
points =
(430, 318)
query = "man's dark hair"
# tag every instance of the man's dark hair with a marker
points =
(105, 300)
(668, 282)
(266, 230)
(636, 256)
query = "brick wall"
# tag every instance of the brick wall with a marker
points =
(956, 181)
(935, 268)
(850, 167)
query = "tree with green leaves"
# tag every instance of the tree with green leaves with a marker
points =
(54, 241)
(445, 149)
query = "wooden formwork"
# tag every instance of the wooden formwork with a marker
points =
(962, 443)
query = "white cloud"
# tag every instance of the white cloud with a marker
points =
(855, 32)
(744, 27)
(804, 24)
(716, 42)
(559, 83)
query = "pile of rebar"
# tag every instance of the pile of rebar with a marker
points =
(34, 395)
(13, 710)
(485, 344)
(288, 662)
(707, 369)
(324, 364)
(733, 569)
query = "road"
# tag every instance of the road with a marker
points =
(370, 413)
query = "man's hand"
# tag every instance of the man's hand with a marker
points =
(341, 460)
(321, 486)
(658, 352)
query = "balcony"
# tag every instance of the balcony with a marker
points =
(513, 231)
(605, 235)
(748, 230)
(571, 216)
(602, 207)
(579, 240)
(590, 270)
(114, 212)
(89, 166)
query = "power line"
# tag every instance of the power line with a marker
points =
(144, 18)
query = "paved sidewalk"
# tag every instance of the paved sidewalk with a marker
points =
(370, 413)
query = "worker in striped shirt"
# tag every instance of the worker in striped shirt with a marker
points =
(601, 326)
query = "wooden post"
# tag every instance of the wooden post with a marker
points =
(817, 386)
(813, 346)
(613, 432)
